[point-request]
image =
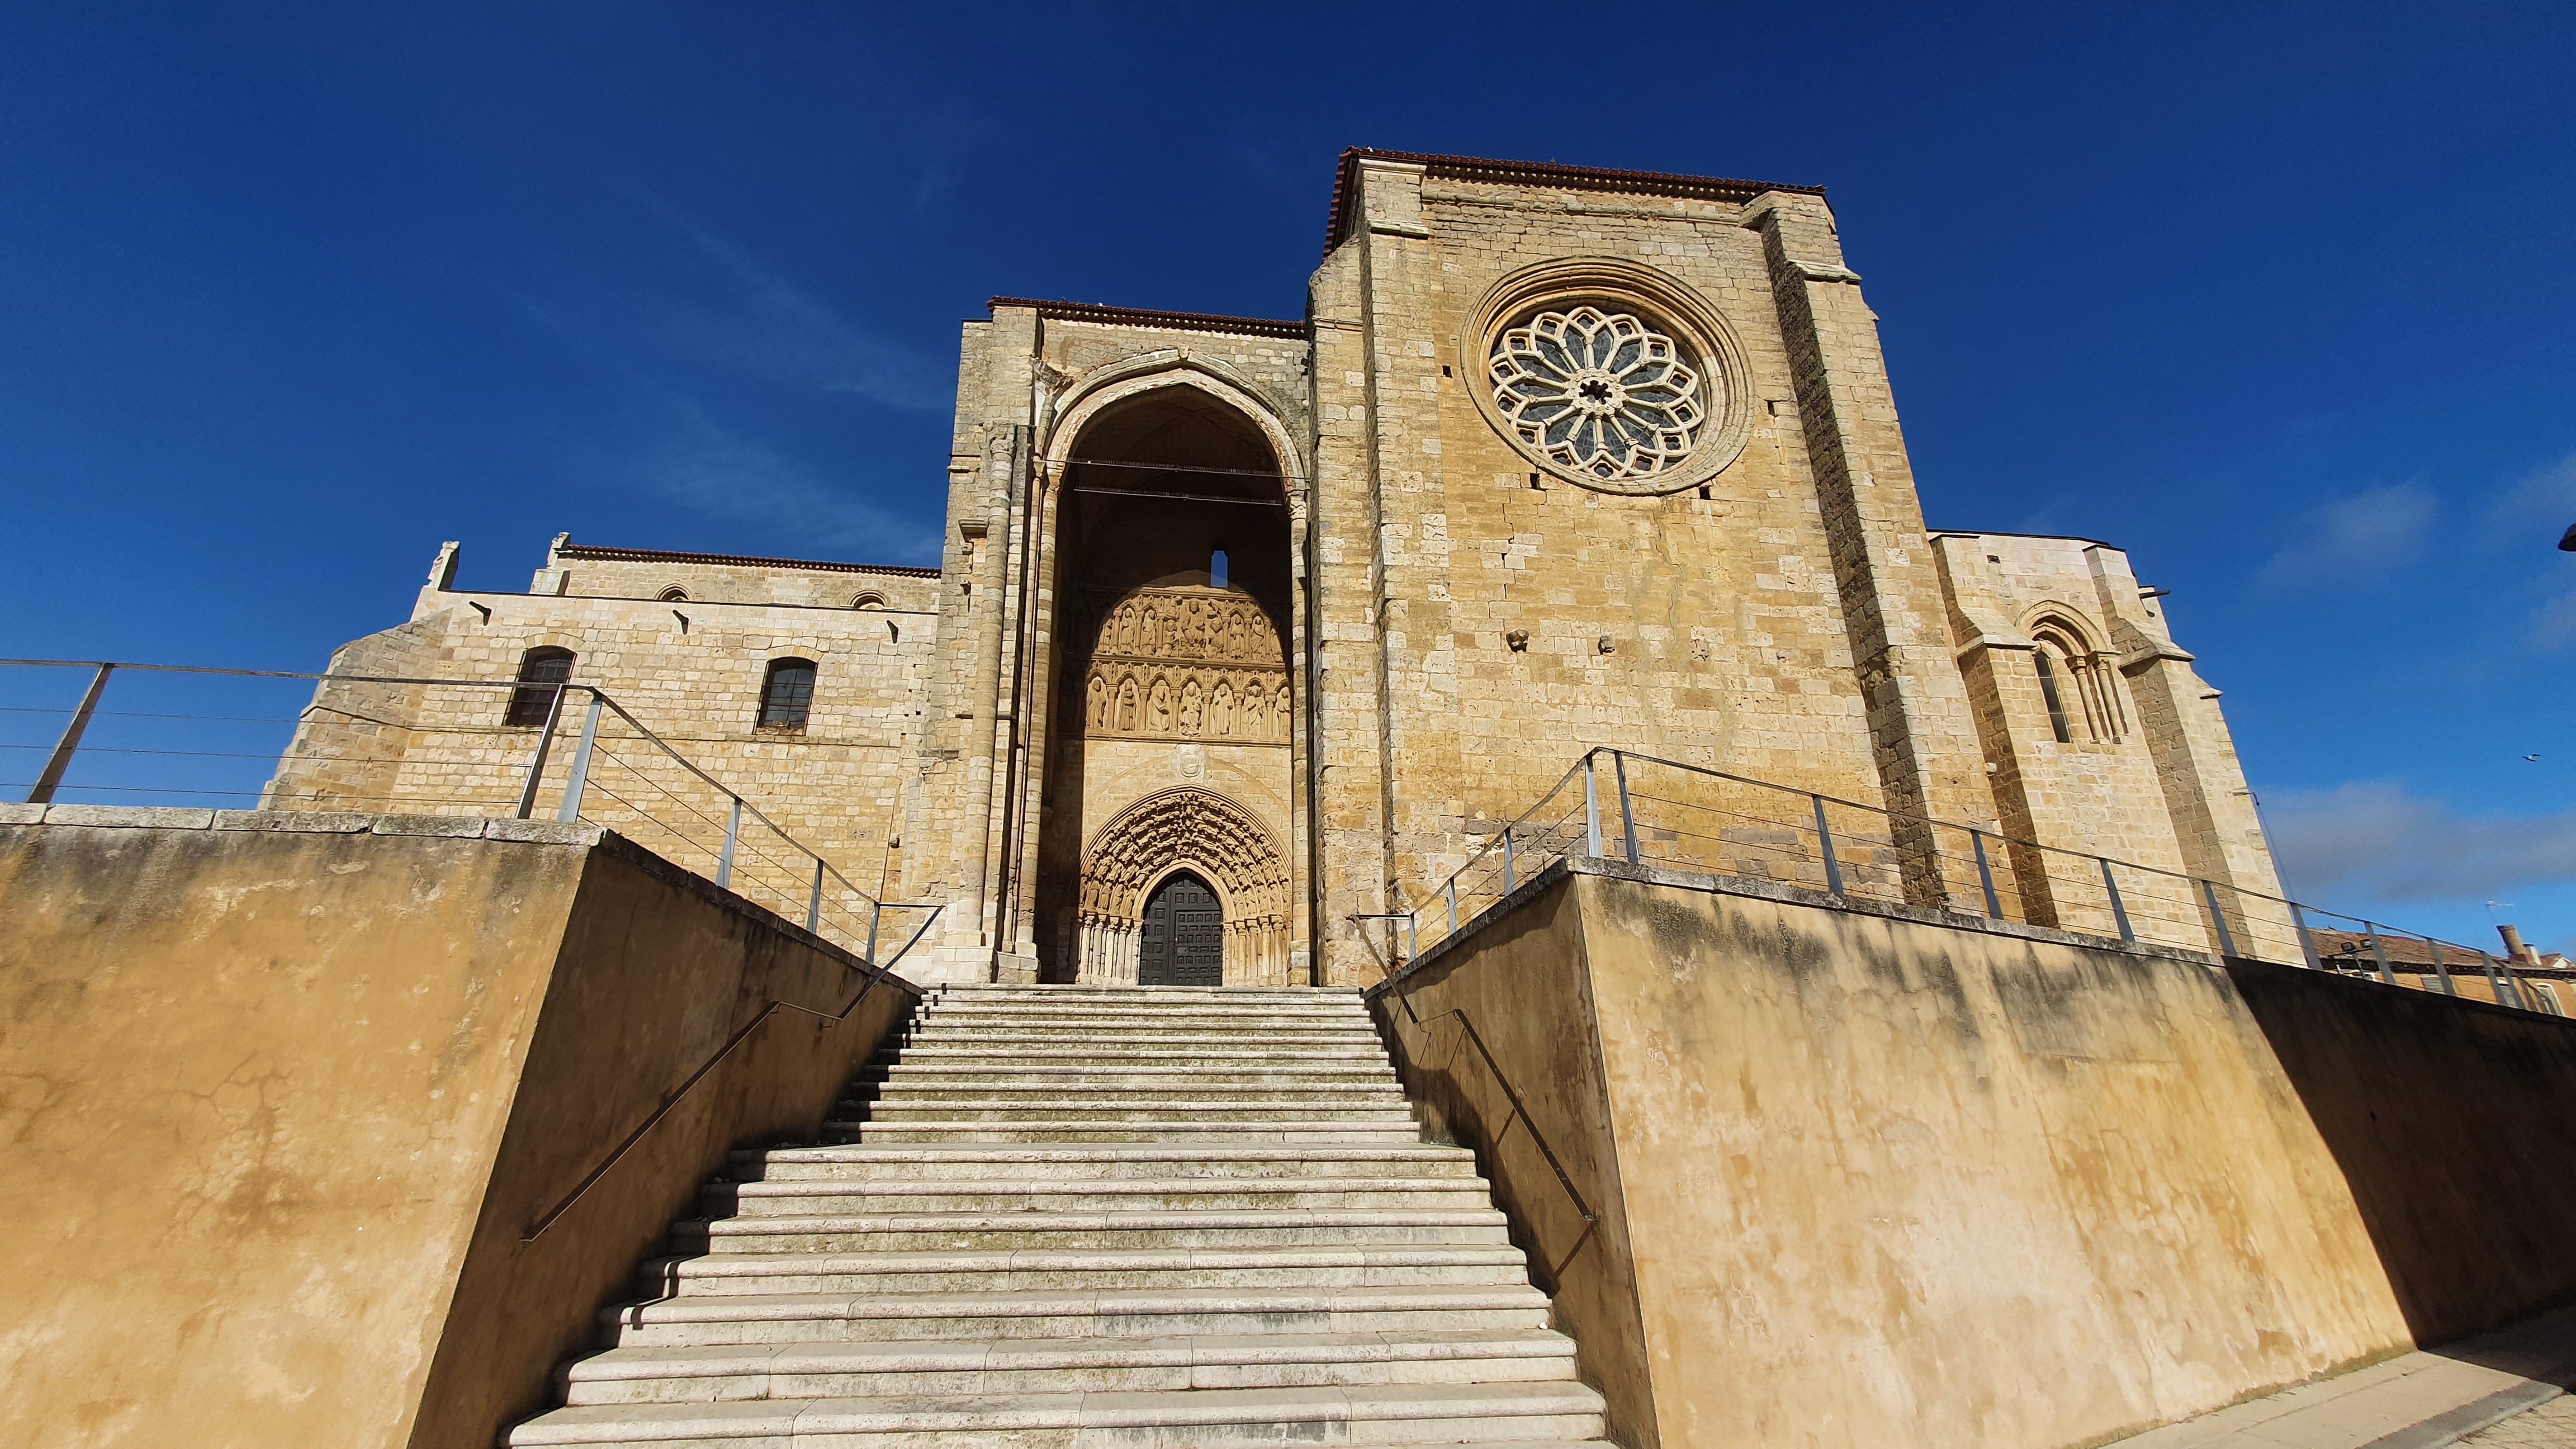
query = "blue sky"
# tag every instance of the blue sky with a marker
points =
(2279, 298)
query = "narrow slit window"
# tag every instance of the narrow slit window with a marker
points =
(1216, 568)
(2048, 692)
(787, 695)
(539, 671)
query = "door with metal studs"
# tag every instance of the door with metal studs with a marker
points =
(1183, 941)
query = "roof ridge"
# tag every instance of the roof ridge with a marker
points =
(1591, 178)
(1155, 317)
(662, 555)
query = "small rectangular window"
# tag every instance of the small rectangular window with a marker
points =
(540, 670)
(787, 696)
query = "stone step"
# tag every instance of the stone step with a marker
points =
(1366, 1414)
(1027, 1271)
(848, 1199)
(1354, 1070)
(973, 1018)
(1120, 1057)
(1110, 1109)
(1016, 1035)
(1133, 1229)
(872, 1163)
(706, 1319)
(1220, 995)
(1330, 1092)
(1222, 1003)
(1064, 1365)
(1083, 1097)
(1073, 1130)
(1081, 1013)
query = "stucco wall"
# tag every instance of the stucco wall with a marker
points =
(278, 1105)
(1888, 1180)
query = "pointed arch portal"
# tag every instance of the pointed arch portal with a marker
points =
(1190, 835)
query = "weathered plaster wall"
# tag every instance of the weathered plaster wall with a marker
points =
(1887, 1180)
(2451, 1122)
(1499, 1053)
(280, 1094)
(657, 972)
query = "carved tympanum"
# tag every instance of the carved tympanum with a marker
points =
(1198, 664)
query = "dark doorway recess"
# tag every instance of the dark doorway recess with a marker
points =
(1183, 941)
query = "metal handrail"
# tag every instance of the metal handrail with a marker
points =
(1591, 1219)
(2500, 974)
(671, 1099)
(574, 786)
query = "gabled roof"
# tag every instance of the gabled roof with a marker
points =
(1145, 317)
(1346, 192)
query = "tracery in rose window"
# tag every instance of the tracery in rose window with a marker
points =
(1600, 393)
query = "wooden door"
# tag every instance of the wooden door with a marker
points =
(1183, 941)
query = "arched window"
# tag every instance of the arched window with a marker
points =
(2080, 686)
(2048, 690)
(868, 601)
(787, 695)
(674, 595)
(539, 670)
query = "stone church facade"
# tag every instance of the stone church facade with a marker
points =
(1291, 615)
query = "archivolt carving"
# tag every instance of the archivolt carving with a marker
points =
(1200, 829)
(1186, 664)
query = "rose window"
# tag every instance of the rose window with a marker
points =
(1600, 393)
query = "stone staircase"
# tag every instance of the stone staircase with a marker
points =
(1088, 1216)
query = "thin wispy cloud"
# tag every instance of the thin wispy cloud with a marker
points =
(2553, 624)
(695, 462)
(765, 325)
(2371, 839)
(2356, 539)
(2526, 517)
(2540, 499)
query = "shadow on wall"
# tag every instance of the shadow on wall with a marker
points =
(2454, 1123)
(1526, 1095)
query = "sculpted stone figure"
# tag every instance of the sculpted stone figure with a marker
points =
(1159, 718)
(1190, 711)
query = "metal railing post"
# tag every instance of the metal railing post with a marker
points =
(1453, 903)
(876, 909)
(1591, 809)
(2307, 941)
(2379, 949)
(61, 759)
(733, 832)
(1507, 860)
(1986, 876)
(545, 742)
(2433, 949)
(2218, 918)
(2119, 913)
(1627, 817)
(573, 787)
(814, 903)
(1825, 843)
(2496, 982)
(1412, 936)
